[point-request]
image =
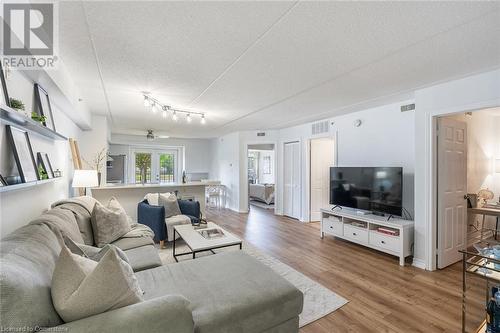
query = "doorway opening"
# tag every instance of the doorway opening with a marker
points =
(468, 181)
(322, 157)
(261, 176)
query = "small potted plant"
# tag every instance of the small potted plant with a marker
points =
(18, 105)
(37, 117)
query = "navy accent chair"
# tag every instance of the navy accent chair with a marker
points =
(154, 216)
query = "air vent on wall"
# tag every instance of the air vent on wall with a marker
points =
(261, 134)
(320, 127)
(407, 107)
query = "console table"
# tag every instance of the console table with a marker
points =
(364, 230)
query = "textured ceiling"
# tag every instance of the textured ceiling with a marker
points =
(260, 65)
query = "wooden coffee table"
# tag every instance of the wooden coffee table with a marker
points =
(197, 243)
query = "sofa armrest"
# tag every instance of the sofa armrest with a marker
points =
(164, 314)
(153, 217)
(190, 208)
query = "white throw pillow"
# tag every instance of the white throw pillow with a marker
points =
(169, 201)
(152, 198)
(109, 222)
(82, 287)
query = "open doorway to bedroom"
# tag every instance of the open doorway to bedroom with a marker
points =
(261, 176)
(467, 182)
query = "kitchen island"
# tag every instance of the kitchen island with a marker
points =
(129, 195)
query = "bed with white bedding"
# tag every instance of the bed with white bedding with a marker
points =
(261, 192)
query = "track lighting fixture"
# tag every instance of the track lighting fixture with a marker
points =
(165, 109)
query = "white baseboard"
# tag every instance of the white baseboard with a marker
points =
(419, 263)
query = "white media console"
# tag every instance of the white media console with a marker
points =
(366, 229)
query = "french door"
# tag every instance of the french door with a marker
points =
(153, 166)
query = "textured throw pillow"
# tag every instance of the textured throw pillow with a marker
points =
(82, 287)
(92, 252)
(152, 199)
(169, 201)
(109, 223)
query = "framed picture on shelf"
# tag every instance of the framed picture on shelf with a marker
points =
(23, 153)
(44, 162)
(3, 182)
(42, 106)
(4, 95)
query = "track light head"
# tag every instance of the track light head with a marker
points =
(203, 121)
(174, 116)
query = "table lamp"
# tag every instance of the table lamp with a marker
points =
(85, 178)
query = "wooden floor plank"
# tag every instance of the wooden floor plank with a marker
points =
(383, 296)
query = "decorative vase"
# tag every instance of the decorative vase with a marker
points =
(99, 178)
(143, 176)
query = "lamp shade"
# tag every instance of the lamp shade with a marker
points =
(497, 165)
(85, 178)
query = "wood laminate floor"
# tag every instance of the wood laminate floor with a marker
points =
(383, 296)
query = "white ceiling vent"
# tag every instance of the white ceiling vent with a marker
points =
(320, 127)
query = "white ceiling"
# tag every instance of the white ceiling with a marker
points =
(262, 65)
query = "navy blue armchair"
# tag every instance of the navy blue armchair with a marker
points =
(154, 216)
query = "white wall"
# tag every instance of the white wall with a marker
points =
(226, 167)
(20, 206)
(92, 142)
(385, 138)
(198, 157)
(266, 178)
(467, 94)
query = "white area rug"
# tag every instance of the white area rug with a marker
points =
(318, 300)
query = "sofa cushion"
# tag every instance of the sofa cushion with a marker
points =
(125, 243)
(109, 222)
(62, 220)
(143, 257)
(169, 201)
(82, 287)
(173, 221)
(27, 260)
(82, 208)
(229, 292)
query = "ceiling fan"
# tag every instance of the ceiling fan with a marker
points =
(150, 136)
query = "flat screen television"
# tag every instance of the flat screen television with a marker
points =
(376, 189)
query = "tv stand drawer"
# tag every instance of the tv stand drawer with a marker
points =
(391, 243)
(333, 226)
(356, 234)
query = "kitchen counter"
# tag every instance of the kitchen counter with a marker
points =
(129, 195)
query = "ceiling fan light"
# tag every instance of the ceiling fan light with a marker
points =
(203, 121)
(150, 136)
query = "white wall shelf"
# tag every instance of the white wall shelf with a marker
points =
(362, 229)
(12, 117)
(20, 186)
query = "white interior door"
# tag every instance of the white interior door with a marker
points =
(291, 191)
(322, 158)
(451, 190)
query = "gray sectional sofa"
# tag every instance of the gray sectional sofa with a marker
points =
(227, 292)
